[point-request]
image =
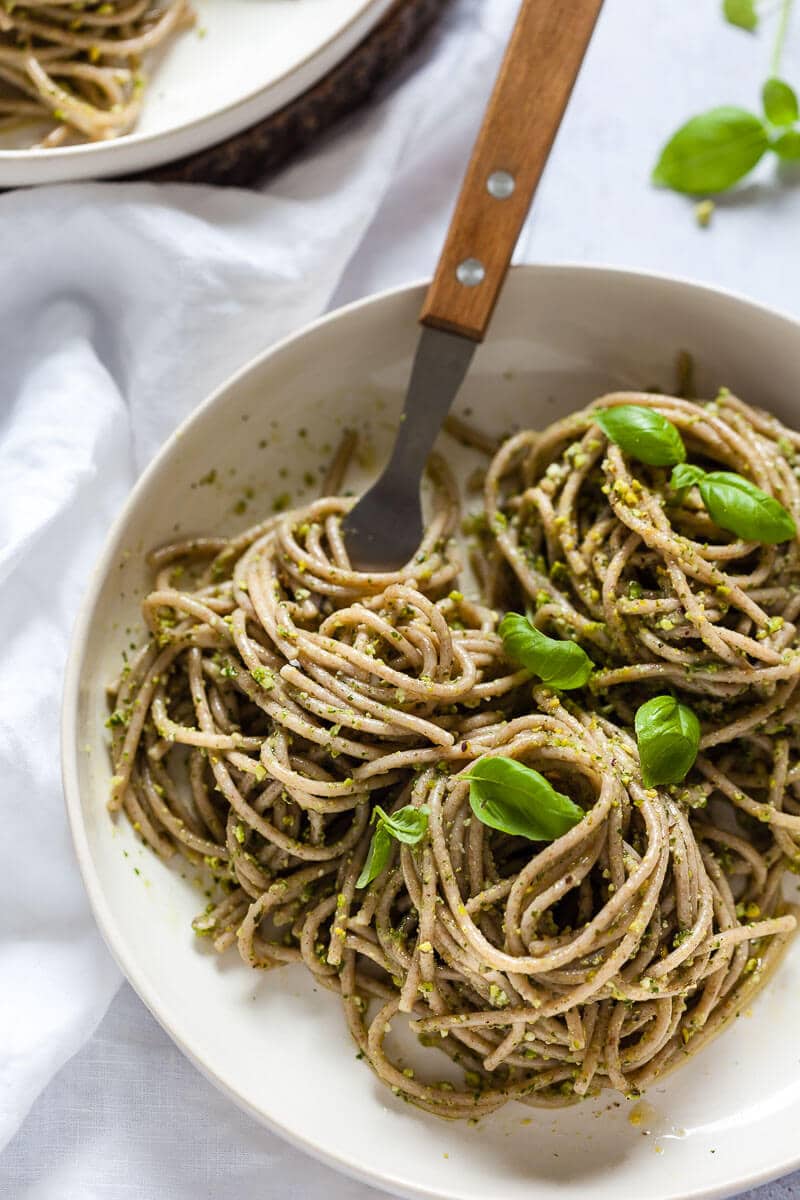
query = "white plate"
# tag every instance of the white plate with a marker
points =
(273, 1042)
(244, 60)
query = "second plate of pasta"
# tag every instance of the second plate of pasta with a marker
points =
(125, 87)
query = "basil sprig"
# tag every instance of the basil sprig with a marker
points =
(742, 13)
(787, 146)
(406, 825)
(560, 664)
(712, 151)
(642, 433)
(780, 102)
(668, 736)
(715, 149)
(737, 505)
(513, 798)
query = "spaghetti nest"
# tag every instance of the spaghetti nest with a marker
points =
(283, 696)
(73, 71)
(611, 554)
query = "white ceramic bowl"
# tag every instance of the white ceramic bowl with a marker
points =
(274, 1043)
(244, 60)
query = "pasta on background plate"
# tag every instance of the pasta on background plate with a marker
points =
(73, 72)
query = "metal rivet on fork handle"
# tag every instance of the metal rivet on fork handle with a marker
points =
(500, 184)
(470, 272)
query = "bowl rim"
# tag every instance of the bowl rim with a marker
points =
(70, 748)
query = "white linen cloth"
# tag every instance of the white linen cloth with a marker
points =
(122, 306)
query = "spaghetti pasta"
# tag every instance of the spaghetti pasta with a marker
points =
(611, 554)
(283, 695)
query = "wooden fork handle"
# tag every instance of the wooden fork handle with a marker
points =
(529, 98)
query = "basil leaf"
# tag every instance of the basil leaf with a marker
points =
(780, 102)
(407, 825)
(712, 151)
(668, 736)
(379, 850)
(787, 146)
(642, 433)
(561, 664)
(684, 476)
(515, 799)
(742, 13)
(738, 505)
